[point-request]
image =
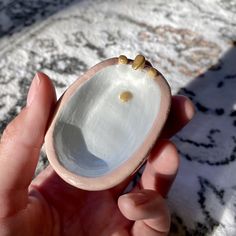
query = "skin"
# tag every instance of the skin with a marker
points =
(49, 206)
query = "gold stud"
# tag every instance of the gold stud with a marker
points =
(125, 96)
(122, 59)
(139, 62)
(152, 72)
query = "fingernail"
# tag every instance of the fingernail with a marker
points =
(138, 198)
(33, 90)
(189, 109)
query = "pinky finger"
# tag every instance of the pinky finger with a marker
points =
(148, 209)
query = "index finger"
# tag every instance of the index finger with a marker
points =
(181, 112)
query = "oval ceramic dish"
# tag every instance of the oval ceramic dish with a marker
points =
(107, 122)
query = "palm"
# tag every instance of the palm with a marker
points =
(81, 212)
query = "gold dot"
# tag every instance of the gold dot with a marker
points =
(125, 96)
(122, 59)
(152, 72)
(139, 62)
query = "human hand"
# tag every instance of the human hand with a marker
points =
(49, 206)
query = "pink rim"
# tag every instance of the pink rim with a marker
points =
(133, 163)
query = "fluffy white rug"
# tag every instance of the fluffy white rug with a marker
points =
(193, 43)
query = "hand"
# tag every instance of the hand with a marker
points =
(49, 206)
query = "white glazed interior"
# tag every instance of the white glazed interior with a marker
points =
(95, 132)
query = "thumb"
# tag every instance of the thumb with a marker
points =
(20, 145)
